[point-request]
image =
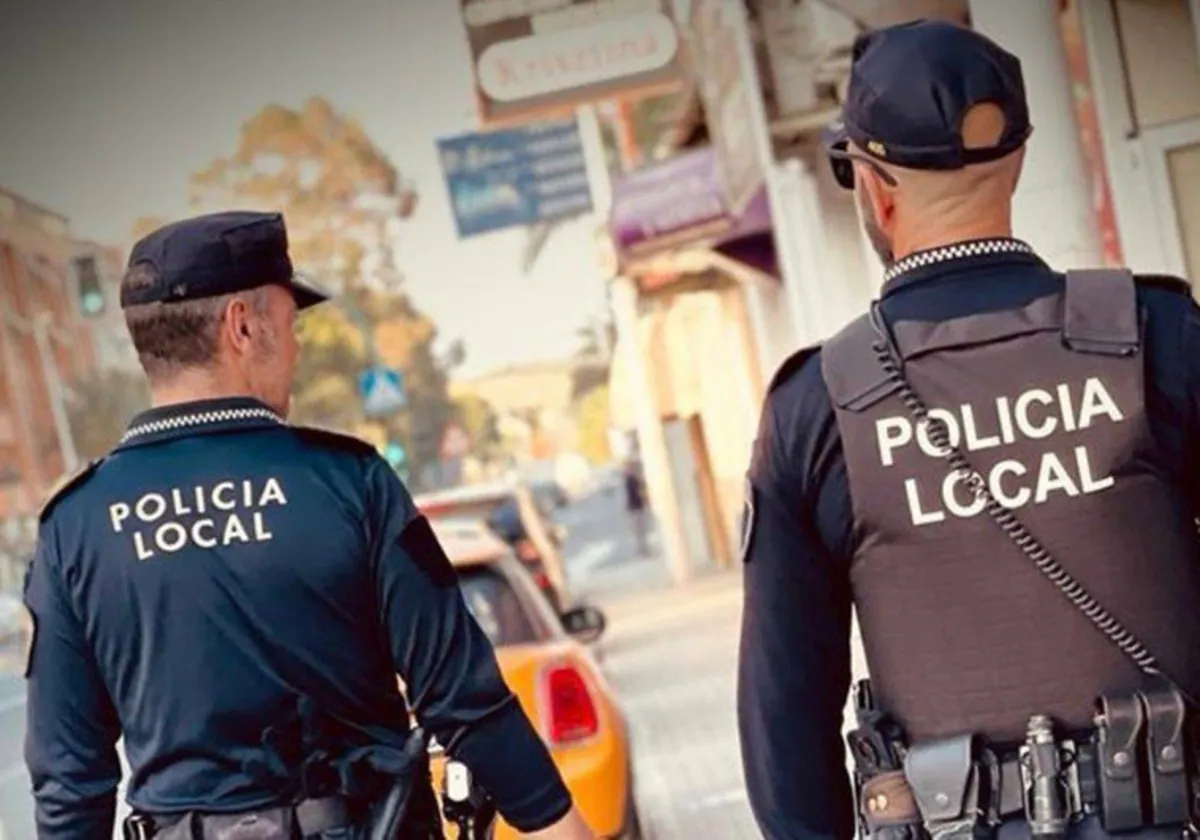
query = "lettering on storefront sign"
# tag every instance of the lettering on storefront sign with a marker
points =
(1035, 414)
(539, 58)
(524, 68)
(223, 514)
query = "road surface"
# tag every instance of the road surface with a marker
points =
(16, 816)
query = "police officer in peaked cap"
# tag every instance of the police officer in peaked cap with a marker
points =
(997, 467)
(235, 596)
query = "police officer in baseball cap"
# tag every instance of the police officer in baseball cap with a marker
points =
(995, 469)
(235, 596)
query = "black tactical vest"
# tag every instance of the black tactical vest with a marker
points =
(1047, 403)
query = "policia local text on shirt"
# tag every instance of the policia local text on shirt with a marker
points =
(235, 596)
(997, 467)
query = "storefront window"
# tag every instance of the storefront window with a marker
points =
(1162, 57)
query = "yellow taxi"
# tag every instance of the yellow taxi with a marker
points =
(553, 675)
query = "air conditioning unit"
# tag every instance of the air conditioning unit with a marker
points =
(801, 38)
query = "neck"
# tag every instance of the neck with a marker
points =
(194, 386)
(924, 238)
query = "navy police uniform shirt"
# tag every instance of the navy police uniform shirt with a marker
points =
(794, 671)
(217, 565)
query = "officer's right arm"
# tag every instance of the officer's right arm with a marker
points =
(794, 660)
(450, 670)
(72, 728)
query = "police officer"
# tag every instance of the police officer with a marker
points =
(997, 467)
(235, 596)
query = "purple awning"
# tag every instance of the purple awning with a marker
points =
(679, 203)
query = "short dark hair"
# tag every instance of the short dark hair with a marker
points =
(171, 337)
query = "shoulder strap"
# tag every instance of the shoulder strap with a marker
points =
(853, 377)
(791, 365)
(66, 483)
(334, 440)
(1165, 281)
(1100, 312)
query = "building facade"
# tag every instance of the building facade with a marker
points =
(44, 347)
(1135, 68)
(98, 270)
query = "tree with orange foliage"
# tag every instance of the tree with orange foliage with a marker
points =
(343, 200)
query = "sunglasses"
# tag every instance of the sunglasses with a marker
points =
(841, 163)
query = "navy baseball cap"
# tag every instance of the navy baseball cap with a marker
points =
(217, 254)
(911, 85)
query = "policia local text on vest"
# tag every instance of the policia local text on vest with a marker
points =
(970, 754)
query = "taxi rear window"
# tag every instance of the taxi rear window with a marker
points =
(497, 606)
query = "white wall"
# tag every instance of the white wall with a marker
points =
(1052, 209)
(1161, 84)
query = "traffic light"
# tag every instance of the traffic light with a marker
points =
(91, 295)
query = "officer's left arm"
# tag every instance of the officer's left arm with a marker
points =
(794, 660)
(449, 667)
(72, 727)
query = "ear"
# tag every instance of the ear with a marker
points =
(876, 193)
(1019, 168)
(238, 327)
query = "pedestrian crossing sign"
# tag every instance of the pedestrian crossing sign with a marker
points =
(382, 391)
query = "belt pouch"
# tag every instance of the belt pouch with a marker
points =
(1165, 758)
(1119, 725)
(945, 783)
(267, 824)
(888, 809)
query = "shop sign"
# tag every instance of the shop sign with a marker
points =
(542, 58)
(679, 203)
(515, 177)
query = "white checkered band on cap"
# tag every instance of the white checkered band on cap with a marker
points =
(207, 418)
(962, 250)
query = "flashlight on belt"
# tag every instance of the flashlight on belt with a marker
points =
(1045, 795)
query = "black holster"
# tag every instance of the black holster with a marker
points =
(408, 810)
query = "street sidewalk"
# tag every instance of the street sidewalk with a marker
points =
(671, 655)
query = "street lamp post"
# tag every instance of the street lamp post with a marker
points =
(42, 330)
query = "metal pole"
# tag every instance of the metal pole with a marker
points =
(54, 384)
(19, 391)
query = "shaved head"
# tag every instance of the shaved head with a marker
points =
(925, 209)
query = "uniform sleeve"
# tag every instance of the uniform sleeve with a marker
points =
(1190, 360)
(72, 727)
(449, 667)
(794, 659)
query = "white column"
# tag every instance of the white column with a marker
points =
(1052, 210)
(652, 445)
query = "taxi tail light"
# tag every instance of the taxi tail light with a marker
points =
(571, 712)
(541, 579)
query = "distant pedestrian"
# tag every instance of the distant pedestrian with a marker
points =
(635, 504)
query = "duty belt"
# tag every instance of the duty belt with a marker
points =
(1135, 770)
(309, 818)
(991, 788)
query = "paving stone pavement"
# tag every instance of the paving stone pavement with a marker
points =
(671, 654)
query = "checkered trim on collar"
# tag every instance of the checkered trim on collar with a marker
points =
(958, 251)
(205, 418)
